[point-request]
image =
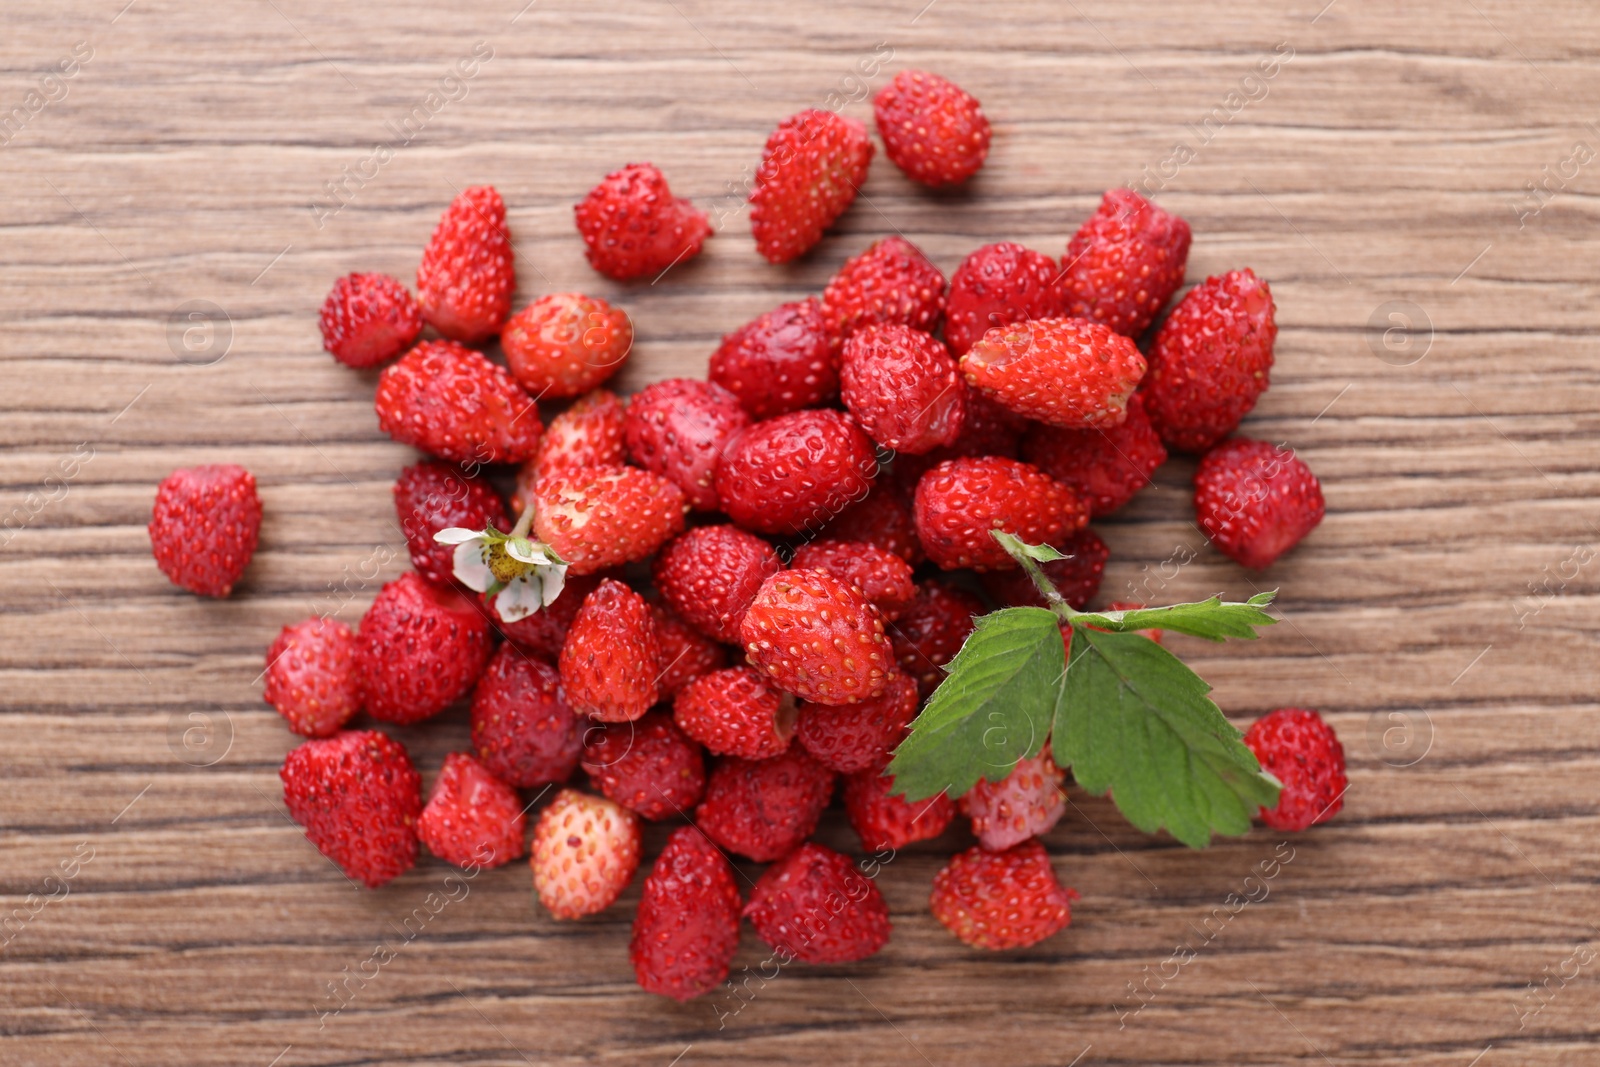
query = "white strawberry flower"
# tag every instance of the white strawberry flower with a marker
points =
(521, 574)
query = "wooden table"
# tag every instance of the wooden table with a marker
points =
(170, 230)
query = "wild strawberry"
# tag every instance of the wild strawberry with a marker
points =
(679, 429)
(1211, 360)
(883, 820)
(794, 473)
(1254, 501)
(648, 766)
(599, 517)
(987, 429)
(780, 362)
(432, 496)
(585, 850)
(932, 129)
(902, 387)
(634, 227)
(881, 519)
(853, 737)
(472, 818)
(523, 729)
(815, 906)
(1001, 900)
(311, 676)
(995, 286)
(420, 648)
(1299, 749)
(961, 500)
(763, 809)
(817, 638)
(359, 798)
(686, 653)
(544, 632)
(204, 526)
(1077, 578)
(880, 575)
(710, 574)
(1025, 803)
(734, 712)
(1123, 264)
(611, 663)
(932, 630)
(587, 434)
(811, 167)
(566, 344)
(467, 275)
(891, 282)
(453, 403)
(1106, 465)
(369, 319)
(1066, 372)
(687, 927)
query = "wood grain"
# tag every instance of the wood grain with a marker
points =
(1387, 161)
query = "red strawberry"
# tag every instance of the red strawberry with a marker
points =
(1298, 748)
(902, 387)
(987, 429)
(817, 638)
(649, 766)
(634, 227)
(1123, 264)
(432, 496)
(1001, 900)
(1067, 372)
(932, 129)
(1076, 578)
(763, 809)
(780, 362)
(1106, 465)
(523, 729)
(1211, 360)
(679, 429)
(815, 906)
(882, 519)
(734, 712)
(1025, 803)
(369, 319)
(961, 500)
(891, 282)
(587, 434)
(585, 850)
(1254, 501)
(420, 649)
(686, 653)
(854, 737)
(204, 526)
(611, 663)
(544, 632)
(884, 821)
(687, 927)
(880, 575)
(566, 344)
(599, 517)
(995, 286)
(932, 630)
(467, 274)
(311, 676)
(792, 474)
(710, 574)
(811, 167)
(452, 402)
(359, 798)
(472, 819)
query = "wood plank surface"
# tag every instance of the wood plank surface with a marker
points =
(1442, 617)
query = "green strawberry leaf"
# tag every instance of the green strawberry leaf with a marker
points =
(1211, 619)
(994, 709)
(1134, 721)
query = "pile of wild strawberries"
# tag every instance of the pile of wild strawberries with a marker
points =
(843, 456)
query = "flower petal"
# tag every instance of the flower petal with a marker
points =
(520, 598)
(469, 567)
(457, 535)
(520, 548)
(555, 580)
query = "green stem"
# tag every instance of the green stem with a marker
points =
(525, 523)
(1053, 598)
